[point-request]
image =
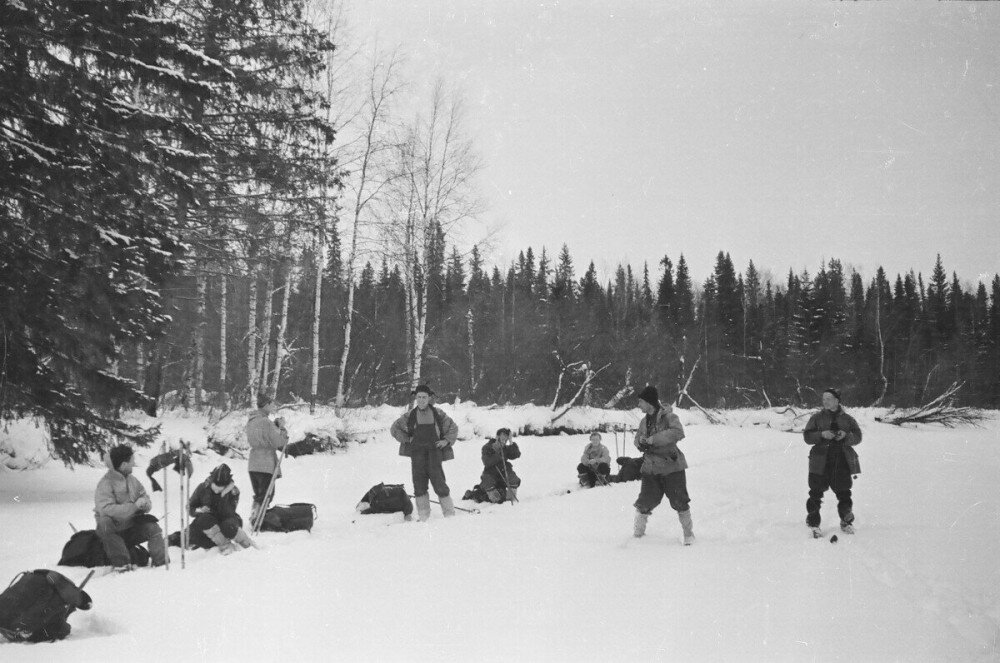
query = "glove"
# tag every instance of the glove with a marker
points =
(644, 446)
(441, 444)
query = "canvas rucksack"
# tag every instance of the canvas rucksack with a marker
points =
(387, 498)
(35, 605)
(289, 518)
(84, 548)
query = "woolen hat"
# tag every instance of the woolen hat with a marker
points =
(119, 455)
(423, 389)
(831, 390)
(222, 475)
(650, 395)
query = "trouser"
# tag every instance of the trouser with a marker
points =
(494, 477)
(260, 481)
(116, 537)
(426, 467)
(205, 521)
(836, 475)
(590, 473)
(655, 486)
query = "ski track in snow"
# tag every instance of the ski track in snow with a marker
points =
(558, 576)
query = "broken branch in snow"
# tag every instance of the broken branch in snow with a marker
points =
(941, 410)
(590, 377)
(683, 393)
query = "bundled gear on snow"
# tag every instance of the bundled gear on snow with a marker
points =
(629, 469)
(84, 548)
(176, 458)
(289, 518)
(35, 605)
(386, 498)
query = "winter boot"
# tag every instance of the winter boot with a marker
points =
(493, 495)
(584, 480)
(447, 506)
(224, 545)
(847, 528)
(602, 480)
(639, 528)
(243, 539)
(687, 525)
(816, 532)
(423, 507)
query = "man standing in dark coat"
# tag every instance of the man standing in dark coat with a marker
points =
(833, 434)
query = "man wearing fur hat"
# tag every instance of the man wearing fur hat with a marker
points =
(213, 508)
(832, 434)
(426, 435)
(663, 464)
(121, 508)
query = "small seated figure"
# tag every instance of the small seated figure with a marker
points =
(213, 507)
(595, 464)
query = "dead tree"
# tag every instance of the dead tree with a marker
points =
(683, 393)
(590, 375)
(941, 410)
(623, 392)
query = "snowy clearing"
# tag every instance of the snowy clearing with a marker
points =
(557, 576)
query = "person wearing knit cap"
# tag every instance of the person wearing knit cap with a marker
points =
(427, 436)
(663, 464)
(832, 434)
(121, 509)
(213, 509)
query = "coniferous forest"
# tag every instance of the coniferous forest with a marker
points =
(203, 200)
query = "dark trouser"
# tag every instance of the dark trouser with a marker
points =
(260, 481)
(206, 521)
(588, 471)
(425, 462)
(837, 475)
(654, 487)
(117, 537)
(494, 477)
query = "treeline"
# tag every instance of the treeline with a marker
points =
(537, 331)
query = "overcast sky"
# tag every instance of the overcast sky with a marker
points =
(782, 132)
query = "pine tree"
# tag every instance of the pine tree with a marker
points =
(665, 295)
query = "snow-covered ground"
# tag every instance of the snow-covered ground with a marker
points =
(557, 576)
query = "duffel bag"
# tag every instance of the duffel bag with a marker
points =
(289, 518)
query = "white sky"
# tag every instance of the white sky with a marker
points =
(783, 132)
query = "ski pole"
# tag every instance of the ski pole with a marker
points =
(166, 521)
(457, 507)
(506, 481)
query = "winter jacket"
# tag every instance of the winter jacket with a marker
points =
(116, 496)
(221, 505)
(827, 420)
(595, 453)
(492, 457)
(264, 437)
(662, 431)
(402, 429)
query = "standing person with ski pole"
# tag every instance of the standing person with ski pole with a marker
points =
(265, 437)
(832, 434)
(498, 474)
(663, 464)
(427, 435)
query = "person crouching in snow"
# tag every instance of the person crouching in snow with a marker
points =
(833, 434)
(498, 474)
(663, 464)
(426, 435)
(121, 508)
(595, 464)
(213, 507)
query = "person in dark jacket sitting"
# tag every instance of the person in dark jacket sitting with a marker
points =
(832, 434)
(498, 474)
(213, 507)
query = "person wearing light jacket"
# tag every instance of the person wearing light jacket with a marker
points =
(832, 434)
(427, 436)
(265, 437)
(121, 509)
(595, 463)
(663, 464)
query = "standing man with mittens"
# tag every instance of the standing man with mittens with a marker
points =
(265, 437)
(426, 435)
(663, 464)
(832, 434)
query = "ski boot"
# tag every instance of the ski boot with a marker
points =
(847, 528)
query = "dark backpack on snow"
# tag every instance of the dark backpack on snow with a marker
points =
(84, 548)
(387, 498)
(630, 469)
(35, 605)
(289, 518)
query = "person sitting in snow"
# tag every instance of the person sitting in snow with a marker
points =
(427, 436)
(265, 438)
(595, 464)
(386, 499)
(663, 464)
(213, 507)
(121, 508)
(832, 434)
(498, 481)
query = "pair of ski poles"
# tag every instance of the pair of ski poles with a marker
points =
(183, 454)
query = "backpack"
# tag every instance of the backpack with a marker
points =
(387, 498)
(630, 469)
(289, 518)
(35, 605)
(84, 548)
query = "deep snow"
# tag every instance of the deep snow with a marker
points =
(557, 576)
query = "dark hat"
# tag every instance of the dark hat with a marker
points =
(120, 454)
(423, 389)
(222, 475)
(503, 430)
(650, 395)
(831, 390)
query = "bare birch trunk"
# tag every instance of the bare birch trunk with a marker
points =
(199, 339)
(883, 381)
(263, 361)
(140, 366)
(420, 332)
(317, 309)
(223, 330)
(252, 341)
(280, 351)
(472, 351)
